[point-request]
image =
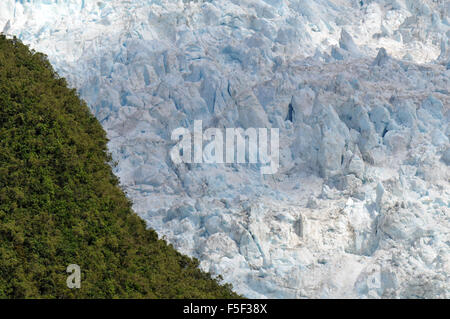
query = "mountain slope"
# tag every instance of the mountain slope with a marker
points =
(60, 203)
(360, 204)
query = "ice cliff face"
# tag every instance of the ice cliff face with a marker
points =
(360, 206)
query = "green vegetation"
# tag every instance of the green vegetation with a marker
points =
(60, 203)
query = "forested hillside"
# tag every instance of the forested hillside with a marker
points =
(60, 203)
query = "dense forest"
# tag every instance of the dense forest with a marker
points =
(60, 203)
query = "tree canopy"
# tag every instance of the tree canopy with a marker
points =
(61, 204)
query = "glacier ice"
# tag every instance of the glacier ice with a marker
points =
(359, 90)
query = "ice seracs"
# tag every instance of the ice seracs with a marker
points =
(359, 92)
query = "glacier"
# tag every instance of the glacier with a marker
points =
(360, 207)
